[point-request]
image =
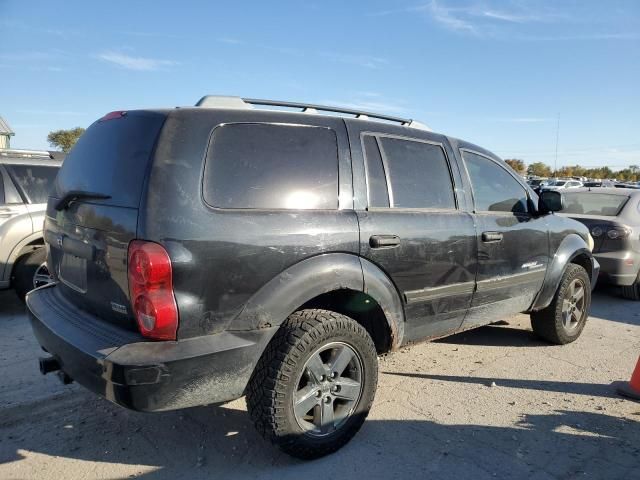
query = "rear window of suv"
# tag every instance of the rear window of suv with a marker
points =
(111, 158)
(272, 166)
(36, 181)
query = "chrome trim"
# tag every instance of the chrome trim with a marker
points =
(514, 280)
(434, 293)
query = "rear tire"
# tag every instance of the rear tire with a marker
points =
(564, 319)
(314, 385)
(25, 269)
(632, 292)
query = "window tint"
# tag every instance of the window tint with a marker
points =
(36, 181)
(111, 158)
(252, 165)
(418, 173)
(376, 181)
(494, 189)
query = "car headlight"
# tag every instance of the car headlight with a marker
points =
(590, 241)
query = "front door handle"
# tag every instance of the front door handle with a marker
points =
(491, 237)
(382, 241)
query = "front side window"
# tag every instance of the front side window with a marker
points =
(418, 174)
(35, 180)
(494, 189)
(268, 166)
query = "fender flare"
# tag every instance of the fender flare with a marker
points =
(306, 280)
(295, 286)
(570, 247)
(380, 287)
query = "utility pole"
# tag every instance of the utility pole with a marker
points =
(557, 139)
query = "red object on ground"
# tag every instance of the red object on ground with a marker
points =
(632, 389)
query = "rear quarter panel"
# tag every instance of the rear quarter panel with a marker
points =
(222, 258)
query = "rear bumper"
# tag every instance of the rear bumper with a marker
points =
(618, 268)
(138, 374)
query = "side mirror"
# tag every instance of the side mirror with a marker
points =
(550, 201)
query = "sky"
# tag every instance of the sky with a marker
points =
(502, 74)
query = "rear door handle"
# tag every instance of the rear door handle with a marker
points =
(381, 241)
(491, 237)
(7, 213)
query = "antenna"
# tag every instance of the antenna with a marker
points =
(557, 139)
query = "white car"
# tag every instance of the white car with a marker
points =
(562, 184)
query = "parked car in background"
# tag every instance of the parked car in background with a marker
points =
(205, 253)
(26, 178)
(562, 185)
(537, 183)
(613, 218)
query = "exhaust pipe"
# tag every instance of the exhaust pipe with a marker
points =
(48, 365)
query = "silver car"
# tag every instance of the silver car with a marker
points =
(613, 218)
(25, 180)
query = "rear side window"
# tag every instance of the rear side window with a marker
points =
(111, 158)
(269, 166)
(36, 181)
(418, 173)
(494, 189)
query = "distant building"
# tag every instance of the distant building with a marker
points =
(5, 134)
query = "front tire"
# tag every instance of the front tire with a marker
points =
(564, 319)
(315, 383)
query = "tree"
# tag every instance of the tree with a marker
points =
(539, 169)
(517, 164)
(65, 139)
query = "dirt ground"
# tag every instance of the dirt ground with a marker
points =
(490, 403)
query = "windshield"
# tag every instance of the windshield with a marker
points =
(589, 203)
(557, 183)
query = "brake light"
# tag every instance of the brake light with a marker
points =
(113, 115)
(151, 290)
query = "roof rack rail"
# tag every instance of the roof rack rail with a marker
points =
(221, 101)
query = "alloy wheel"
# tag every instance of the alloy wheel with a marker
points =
(329, 389)
(573, 309)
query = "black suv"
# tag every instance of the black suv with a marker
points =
(202, 254)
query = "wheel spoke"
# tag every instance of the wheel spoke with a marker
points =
(326, 417)
(349, 389)
(305, 400)
(341, 360)
(578, 294)
(576, 315)
(316, 369)
(566, 317)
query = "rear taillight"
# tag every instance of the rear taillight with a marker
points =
(151, 290)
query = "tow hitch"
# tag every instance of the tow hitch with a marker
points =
(50, 364)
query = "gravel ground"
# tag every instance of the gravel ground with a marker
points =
(490, 403)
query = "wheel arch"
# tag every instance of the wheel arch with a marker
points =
(26, 245)
(341, 282)
(572, 249)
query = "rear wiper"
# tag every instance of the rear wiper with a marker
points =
(73, 195)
